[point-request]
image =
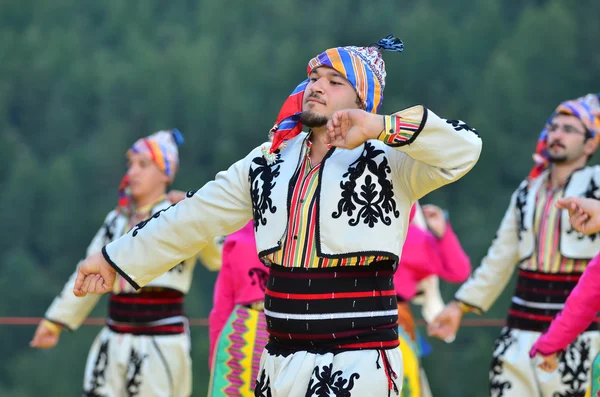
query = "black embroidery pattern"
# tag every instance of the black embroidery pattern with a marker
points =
(574, 368)
(461, 125)
(504, 341)
(259, 276)
(142, 224)
(263, 386)
(98, 373)
(134, 377)
(521, 201)
(375, 204)
(261, 186)
(109, 229)
(592, 191)
(326, 383)
(178, 268)
(191, 193)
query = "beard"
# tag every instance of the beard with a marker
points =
(557, 158)
(313, 120)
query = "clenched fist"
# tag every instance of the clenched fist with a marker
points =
(95, 276)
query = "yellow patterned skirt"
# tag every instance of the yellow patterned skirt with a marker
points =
(237, 354)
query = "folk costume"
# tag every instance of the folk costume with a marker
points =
(537, 238)
(332, 233)
(144, 348)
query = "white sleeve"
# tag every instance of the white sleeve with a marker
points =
(210, 256)
(430, 152)
(181, 231)
(489, 279)
(66, 308)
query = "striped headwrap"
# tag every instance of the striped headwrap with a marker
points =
(586, 109)
(363, 67)
(161, 148)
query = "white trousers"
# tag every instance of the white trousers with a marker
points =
(360, 373)
(514, 374)
(125, 365)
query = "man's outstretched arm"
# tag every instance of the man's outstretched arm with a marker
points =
(170, 236)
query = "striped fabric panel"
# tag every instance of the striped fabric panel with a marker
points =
(547, 228)
(156, 153)
(398, 130)
(174, 329)
(127, 313)
(539, 297)
(333, 309)
(535, 290)
(299, 246)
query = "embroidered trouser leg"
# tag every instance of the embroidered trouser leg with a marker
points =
(365, 373)
(514, 374)
(120, 365)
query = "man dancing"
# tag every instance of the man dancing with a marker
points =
(330, 208)
(551, 256)
(144, 349)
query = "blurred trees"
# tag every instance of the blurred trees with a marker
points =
(80, 81)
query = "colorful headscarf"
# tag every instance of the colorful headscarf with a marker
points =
(161, 147)
(586, 109)
(363, 67)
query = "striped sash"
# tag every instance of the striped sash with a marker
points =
(153, 311)
(539, 297)
(331, 309)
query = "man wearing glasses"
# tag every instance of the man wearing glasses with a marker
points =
(551, 256)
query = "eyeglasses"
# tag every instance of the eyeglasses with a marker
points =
(566, 128)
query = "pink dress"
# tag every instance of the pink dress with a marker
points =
(242, 280)
(425, 255)
(580, 311)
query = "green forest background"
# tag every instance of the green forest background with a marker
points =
(80, 81)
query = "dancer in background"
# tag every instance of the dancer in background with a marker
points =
(536, 237)
(144, 349)
(237, 325)
(431, 249)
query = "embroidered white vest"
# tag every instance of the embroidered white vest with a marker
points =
(583, 183)
(358, 202)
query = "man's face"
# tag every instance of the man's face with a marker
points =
(327, 92)
(567, 141)
(145, 178)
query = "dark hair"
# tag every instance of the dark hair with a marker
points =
(359, 102)
(588, 135)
